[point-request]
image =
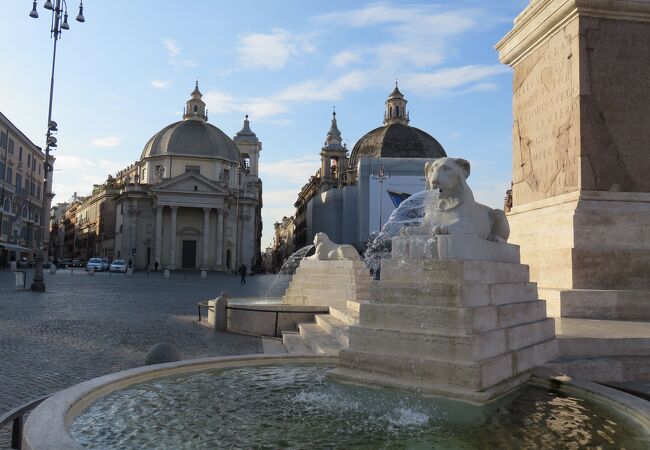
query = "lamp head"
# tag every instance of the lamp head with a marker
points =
(52, 126)
(34, 14)
(64, 25)
(80, 16)
(48, 5)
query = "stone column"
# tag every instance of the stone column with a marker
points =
(172, 239)
(219, 240)
(206, 236)
(158, 235)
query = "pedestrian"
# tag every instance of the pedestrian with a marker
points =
(155, 266)
(242, 273)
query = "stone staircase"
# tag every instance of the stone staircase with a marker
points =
(343, 286)
(328, 335)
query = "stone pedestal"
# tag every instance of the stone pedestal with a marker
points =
(328, 283)
(581, 194)
(459, 328)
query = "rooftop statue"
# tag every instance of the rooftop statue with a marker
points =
(455, 211)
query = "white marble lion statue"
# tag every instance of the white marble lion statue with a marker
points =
(327, 250)
(455, 210)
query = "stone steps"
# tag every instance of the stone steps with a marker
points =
(318, 340)
(599, 338)
(294, 343)
(335, 328)
(453, 271)
(475, 375)
(455, 347)
(453, 295)
(598, 304)
(346, 315)
(439, 319)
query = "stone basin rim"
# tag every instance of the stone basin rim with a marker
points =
(48, 425)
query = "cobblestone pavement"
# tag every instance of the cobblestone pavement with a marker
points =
(86, 326)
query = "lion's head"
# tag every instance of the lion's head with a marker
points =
(449, 176)
(320, 237)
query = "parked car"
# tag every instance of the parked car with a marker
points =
(65, 263)
(95, 263)
(77, 262)
(118, 266)
(105, 264)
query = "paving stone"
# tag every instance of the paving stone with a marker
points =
(83, 327)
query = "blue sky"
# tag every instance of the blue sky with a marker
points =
(127, 72)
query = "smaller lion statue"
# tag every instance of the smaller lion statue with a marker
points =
(456, 211)
(327, 250)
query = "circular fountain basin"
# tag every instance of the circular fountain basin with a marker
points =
(288, 401)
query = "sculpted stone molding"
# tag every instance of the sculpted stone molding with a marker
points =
(455, 210)
(327, 250)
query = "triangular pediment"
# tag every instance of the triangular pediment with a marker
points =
(190, 182)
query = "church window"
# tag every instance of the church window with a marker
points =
(226, 175)
(196, 108)
(196, 188)
(390, 113)
(397, 111)
(193, 169)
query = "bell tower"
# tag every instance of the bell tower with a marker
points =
(195, 107)
(249, 147)
(396, 108)
(333, 156)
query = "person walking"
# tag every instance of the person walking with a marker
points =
(155, 266)
(242, 274)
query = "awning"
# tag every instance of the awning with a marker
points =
(9, 246)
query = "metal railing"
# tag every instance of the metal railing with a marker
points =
(277, 312)
(16, 416)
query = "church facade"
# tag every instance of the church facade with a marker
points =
(353, 193)
(192, 201)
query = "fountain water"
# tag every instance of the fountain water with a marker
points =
(283, 277)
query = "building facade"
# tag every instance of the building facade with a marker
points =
(21, 194)
(353, 194)
(192, 201)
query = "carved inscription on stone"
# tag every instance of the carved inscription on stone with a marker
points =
(615, 113)
(546, 112)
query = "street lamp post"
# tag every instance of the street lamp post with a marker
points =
(59, 23)
(381, 176)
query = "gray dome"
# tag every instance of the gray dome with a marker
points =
(191, 138)
(396, 141)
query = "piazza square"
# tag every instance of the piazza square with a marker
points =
(370, 225)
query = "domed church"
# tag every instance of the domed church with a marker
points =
(353, 194)
(194, 198)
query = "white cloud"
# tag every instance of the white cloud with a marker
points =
(174, 53)
(295, 170)
(173, 50)
(345, 58)
(449, 79)
(160, 84)
(271, 50)
(107, 141)
(71, 163)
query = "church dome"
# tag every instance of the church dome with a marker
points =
(396, 139)
(192, 136)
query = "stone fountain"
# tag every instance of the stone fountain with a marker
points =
(455, 313)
